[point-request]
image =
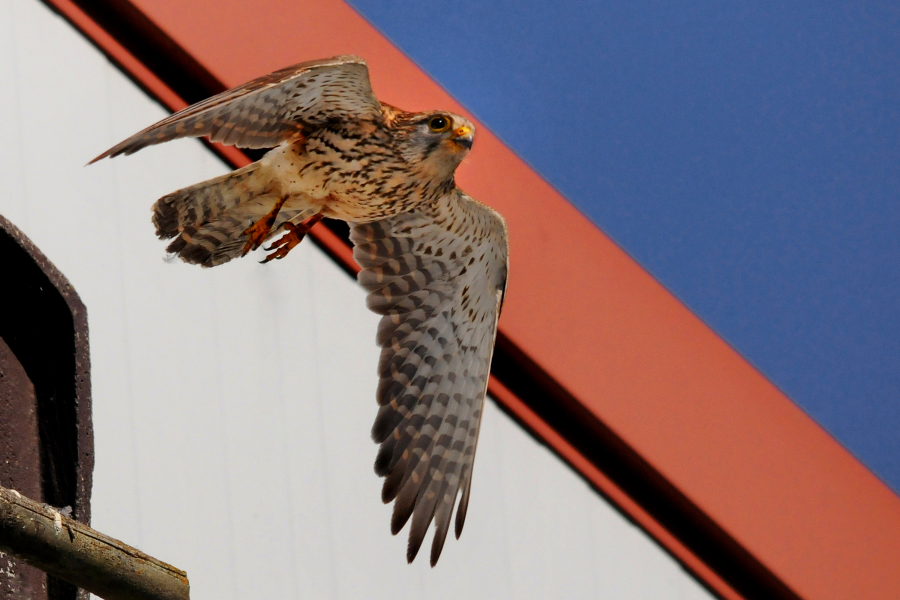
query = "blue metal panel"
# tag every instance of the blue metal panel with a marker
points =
(745, 153)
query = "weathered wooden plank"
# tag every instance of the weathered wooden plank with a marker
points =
(48, 539)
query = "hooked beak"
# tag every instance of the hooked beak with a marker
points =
(464, 136)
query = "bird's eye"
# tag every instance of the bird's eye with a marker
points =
(439, 124)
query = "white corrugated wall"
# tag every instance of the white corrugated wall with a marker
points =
(232, 406)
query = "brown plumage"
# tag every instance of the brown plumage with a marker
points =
(433, 260)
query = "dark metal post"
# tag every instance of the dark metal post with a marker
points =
(46, 438)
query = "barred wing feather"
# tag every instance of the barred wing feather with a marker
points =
(271, 109)
(437, 274)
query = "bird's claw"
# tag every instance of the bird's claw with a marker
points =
(284, 244)
(259, 231)
(294, 235)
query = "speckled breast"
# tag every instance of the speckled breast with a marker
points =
(355, 173)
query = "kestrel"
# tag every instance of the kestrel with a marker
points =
(434, 260)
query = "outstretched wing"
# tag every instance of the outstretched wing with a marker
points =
(437, 274)
(268, 110)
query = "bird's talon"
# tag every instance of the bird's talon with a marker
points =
(259, 231)
(277, 255)
(295, 234)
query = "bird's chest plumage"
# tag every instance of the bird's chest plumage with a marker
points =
(355, 174)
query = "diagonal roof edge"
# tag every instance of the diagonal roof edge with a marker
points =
(813, 539)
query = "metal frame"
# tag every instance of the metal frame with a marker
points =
(44, 337)
(595, 357)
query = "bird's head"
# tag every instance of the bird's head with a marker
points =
(436, 142)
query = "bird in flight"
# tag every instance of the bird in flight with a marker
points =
(434, 261)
